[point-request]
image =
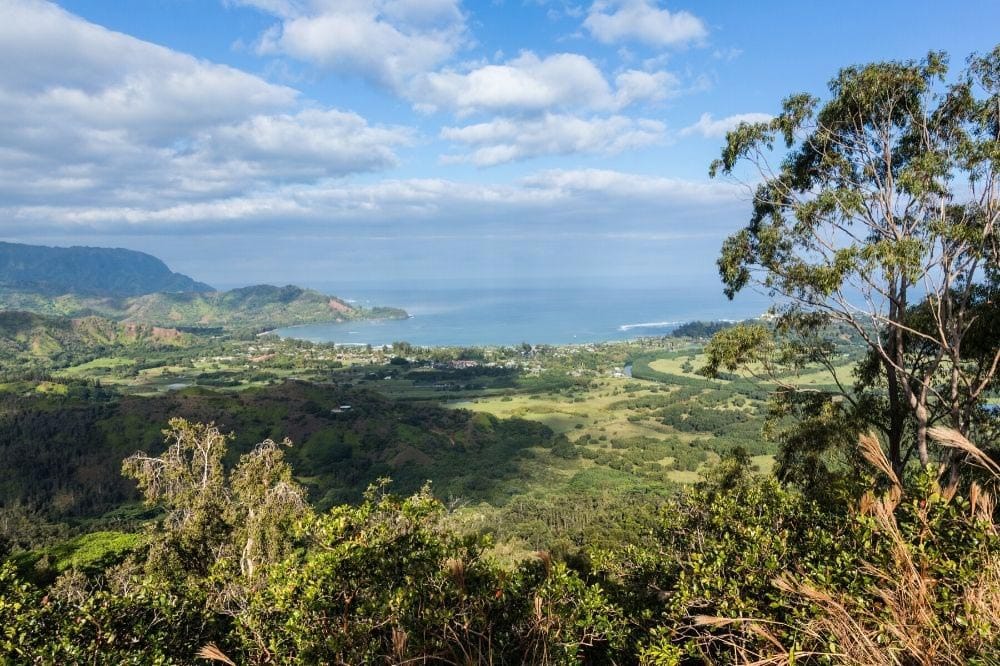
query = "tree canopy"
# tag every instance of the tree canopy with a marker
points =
(876, 210)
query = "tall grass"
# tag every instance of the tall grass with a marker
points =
(900, 618)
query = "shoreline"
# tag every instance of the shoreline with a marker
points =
(612, 339)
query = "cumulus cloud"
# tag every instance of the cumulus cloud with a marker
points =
(405, 45)
(711, 128)
(638, 86)
(526, 83)
(107, 139)
(540, 107)
(614, 21)
(95, 115)
(671, 198)
(60, 64)
(529, 84)
(503, 140)
(385, 41)
(338, 229)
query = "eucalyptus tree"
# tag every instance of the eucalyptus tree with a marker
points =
(240, 520)
(876, 210)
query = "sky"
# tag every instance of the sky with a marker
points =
(492, 141)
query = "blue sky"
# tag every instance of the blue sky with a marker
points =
(320, 141)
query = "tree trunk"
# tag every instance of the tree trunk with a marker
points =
(920, 412)
(896, 413)
(896, 417)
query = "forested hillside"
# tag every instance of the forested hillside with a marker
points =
(257, 306)
(61, 455)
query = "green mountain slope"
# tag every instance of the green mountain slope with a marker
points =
(258, 306)
(88, 271)
(26, 335)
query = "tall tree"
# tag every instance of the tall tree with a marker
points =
(881, 218)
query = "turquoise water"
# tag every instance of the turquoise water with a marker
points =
(457, 315)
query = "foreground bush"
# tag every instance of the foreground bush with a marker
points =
(739, 570)
(747, 572)
(382, 583)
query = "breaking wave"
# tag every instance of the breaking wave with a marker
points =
(649, 324)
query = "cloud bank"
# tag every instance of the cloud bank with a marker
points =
(99, 118)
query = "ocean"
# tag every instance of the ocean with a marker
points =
(446, 315)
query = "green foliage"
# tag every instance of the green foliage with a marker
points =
(35, 342)
(699, 329)
(130, 621)
(89, 553)
(741, 569)
(734, 570)
(737, 347)
(377, 582)
(401, 589)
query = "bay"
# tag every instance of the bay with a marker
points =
(455, 314)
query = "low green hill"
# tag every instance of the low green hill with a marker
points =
(261, 306)
(257, 306)
(130, 286)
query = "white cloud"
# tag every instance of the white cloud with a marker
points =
(504, 140)
(708, 127)
(405, 44)
(638, 86)
(613, 21)
(61, 66)
(727, 54)
(670, 192)
(386, 41)
(283, 8)
(529, 84)
(526, 83)
(92, 115)
(106, 136)
(332, 141)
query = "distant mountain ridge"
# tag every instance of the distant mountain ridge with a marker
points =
(88, 271)
(257, 307)
(129, 286)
